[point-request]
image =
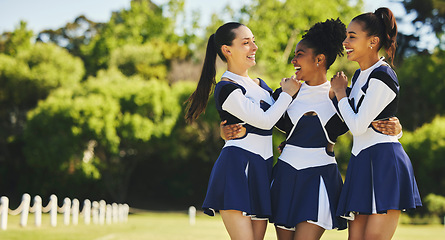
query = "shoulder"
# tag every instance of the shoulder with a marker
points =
(264, 85)
(385, 74)
(227, 86)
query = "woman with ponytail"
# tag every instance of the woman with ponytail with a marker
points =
(380, 181)
(239, 182)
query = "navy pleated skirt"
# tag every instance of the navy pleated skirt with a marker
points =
(378, 179)
(296, 195)
(240, 180)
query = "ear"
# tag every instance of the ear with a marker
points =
(320, 58)
(375, 41)
(225, 50)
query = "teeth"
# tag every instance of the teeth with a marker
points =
(251, 56)
(349, 50)
(297, 68)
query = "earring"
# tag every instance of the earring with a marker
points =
(371, 47)
(317, 64)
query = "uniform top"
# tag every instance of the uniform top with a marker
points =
(241, 100)
(309, 134)
(373, 96)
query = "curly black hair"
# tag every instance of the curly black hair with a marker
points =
(326, 38)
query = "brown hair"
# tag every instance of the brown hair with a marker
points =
(381, 23)
(197, 102)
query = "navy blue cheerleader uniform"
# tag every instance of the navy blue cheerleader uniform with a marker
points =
(240, 178)
(380, 176)
(306, 181)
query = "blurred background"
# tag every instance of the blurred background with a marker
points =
(92, 93)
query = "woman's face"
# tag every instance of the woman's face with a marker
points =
(243, 49)
(357, 42)
(304, 62)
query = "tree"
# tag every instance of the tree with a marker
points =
(428, 23)
(149, 60)
(111, 117)
(73, 35)
(277, 33)
(19, 39)
(139, 24)
(425, 147)
(422, 88)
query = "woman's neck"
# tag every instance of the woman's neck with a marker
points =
(237, 70)
(369, 61)
(317, 80)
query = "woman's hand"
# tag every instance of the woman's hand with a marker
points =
(281, 146)
(290, 85)
(339, 83)
(232, 131)
(391, 126)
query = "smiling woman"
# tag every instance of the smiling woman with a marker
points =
(239, 182)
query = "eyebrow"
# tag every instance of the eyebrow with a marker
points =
(352, 32)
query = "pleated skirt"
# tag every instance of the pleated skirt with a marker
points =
(309, 194)
(240, 180)
(378, 179)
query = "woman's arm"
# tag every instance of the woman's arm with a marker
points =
(377, 97)
(231, 131)
(391, 126)
(243, 108)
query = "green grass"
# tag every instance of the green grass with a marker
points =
(170, 226)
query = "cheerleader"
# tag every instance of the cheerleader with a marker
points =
(380, 181)
(239, 182)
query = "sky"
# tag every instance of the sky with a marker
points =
(53, 14)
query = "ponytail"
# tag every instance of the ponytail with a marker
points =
(389, 33)
(197, 102)
(381, 23)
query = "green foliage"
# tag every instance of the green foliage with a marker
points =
(435, 204)
(422, 89)
(19, 39)
(137, 25)
(426, 148)
(277, 34)
(118, 115)
(149, 60)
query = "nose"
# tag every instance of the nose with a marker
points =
(294, 60)
(255, 47)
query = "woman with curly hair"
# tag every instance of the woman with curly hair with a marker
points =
(306, 182)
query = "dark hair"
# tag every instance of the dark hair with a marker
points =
(326, 38)
(382, 24)
(197, 102)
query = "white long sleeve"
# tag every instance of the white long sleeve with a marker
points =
(377, 97)
(243, 108)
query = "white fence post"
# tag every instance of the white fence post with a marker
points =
(37, 210)
(75, 211)
(115, 212)
(53, 210)
(4, 206)
(26, 200)
(95, 212)
(192, 215)
(102, 206)
(87, 211)
(66, 208)
(109, 213)
(101, 212)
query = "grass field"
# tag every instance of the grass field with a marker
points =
(171, 226)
